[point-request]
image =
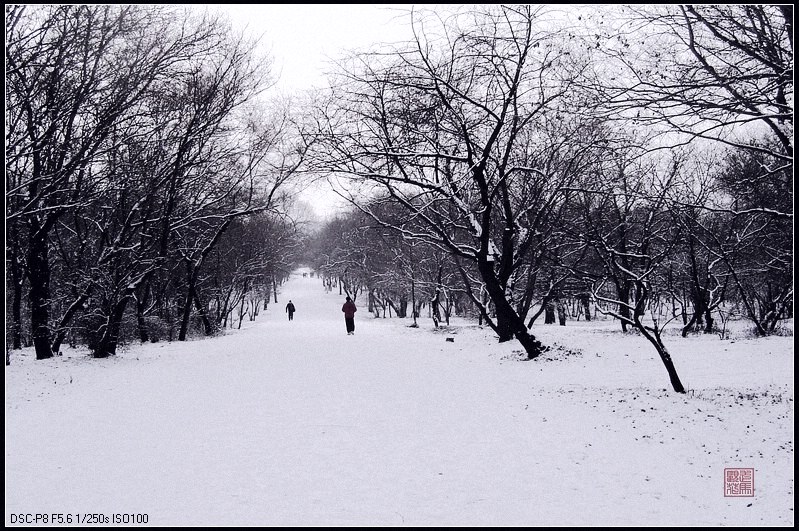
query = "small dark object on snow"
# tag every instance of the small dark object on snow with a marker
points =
(451, 339)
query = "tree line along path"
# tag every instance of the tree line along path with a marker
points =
(297, 423)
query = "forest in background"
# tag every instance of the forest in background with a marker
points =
(505, 164)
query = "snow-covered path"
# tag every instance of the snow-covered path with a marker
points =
(296, 423)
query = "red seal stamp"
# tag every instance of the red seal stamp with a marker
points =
(739, 482)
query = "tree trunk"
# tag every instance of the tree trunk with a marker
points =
(623, 290)
(256, 307)
(669, 364)
(561, 313)
(639, 306)
(187, 302)
(413, 299)
(665, 357)
(701, 309)
(16, 312)
(586, 302)
(192, 272)
(509, 324)
(16, 270)
(224, 311)
(537, 314)
(61, 331)
(141, 322)
(165, 315)
(435, 311)
(39, 297)
(549, 311)
(208, 326)
(708, 319)
(108, 342)
(241, 311)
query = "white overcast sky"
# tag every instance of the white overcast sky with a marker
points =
(302, 37)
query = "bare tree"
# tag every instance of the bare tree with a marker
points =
(473, 134)
(256, 253)
(74, 73)
(752, 251)
(627, 223)
(249, 180)
(718, 72)
(130, 153)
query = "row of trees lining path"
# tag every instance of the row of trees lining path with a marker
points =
(647, 158)
(504, 159)
(147, 189)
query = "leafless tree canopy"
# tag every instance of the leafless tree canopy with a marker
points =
(556, 158)
(506, 162)
(132, 149)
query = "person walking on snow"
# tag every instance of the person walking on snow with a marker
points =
(290, 309)
(349, 310)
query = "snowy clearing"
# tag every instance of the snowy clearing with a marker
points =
(297, 424)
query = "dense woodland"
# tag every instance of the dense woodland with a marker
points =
(146, 187)
(516, 165)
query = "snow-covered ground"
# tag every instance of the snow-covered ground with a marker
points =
(298, 424)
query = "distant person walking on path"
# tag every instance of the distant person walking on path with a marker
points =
(290, 309)
(349, 310)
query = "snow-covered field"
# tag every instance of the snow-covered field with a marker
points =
(298, 424)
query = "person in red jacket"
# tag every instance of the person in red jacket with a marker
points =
(349, 310)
